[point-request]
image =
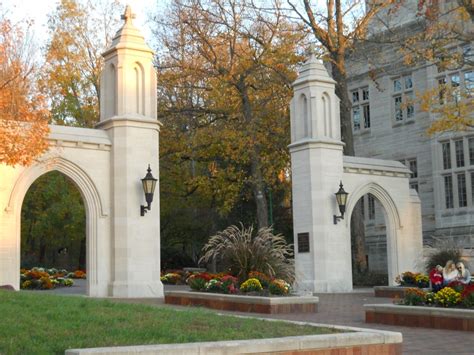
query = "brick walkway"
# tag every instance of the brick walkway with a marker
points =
(347, 309)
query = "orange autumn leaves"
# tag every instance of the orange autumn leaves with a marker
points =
(23, 110)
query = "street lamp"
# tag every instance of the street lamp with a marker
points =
(149, 184)
(341, 198)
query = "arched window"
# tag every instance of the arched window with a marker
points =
(139, 104)
(110, 92)
(303, 119)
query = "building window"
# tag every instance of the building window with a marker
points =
(458, 176)
(461, 83)
(459, 150)
(356, 118)
(403, 99)
(448, 191)
(446, 155)
(371, 206)
(462, 191)
(472, 186)
(471, 151)
(360, 109)
(469, 82)
(413, 166)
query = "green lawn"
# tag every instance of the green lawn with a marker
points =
(36, 323)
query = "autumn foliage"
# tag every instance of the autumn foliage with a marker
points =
(23, 113)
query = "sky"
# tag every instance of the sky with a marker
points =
(38, 10)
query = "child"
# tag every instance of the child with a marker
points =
(436, 278)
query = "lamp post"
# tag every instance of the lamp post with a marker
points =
(149, 184)
(341, 198)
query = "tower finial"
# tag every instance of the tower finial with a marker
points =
(128, 14)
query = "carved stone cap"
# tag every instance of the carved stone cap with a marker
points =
(313, 70)
(128, 36)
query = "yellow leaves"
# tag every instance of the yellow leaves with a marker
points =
(451, 107)
(23, 114)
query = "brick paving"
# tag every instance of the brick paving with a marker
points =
(347, 309)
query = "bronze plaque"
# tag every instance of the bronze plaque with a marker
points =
(303, 242)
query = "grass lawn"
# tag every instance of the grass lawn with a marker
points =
(36, 323)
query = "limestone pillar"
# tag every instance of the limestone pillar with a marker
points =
(128, 114)
(322, 248)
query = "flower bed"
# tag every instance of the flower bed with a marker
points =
(419, 308)
(45, 279)
(244, 303)
(405, 281)
(258, 293)
(393, 291)
(420, 316)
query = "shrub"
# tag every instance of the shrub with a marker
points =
(264, 279)
(251, 285)
(429, 298)
(197, 283)
(279, 287)
(214, 285)
(171, 278)
(456, 286)
(422, 280)
(467, 296)
(229, 284)
(242, 252)
(414, 297)
(441, 253)
(447, 297)
(407, 278)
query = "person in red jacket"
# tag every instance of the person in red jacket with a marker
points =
(436, 278)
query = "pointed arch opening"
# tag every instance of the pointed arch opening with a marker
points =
(378, 245)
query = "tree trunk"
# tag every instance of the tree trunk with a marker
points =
(359, 261)
(258, 185)
(345, 108)
(357, 220)
(82, 255)
(259, 192)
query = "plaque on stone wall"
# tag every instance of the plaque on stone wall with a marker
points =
(303, 242)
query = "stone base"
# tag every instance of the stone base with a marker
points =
(120, 289)
(235, 303)
(419, 316)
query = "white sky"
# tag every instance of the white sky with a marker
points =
(38, 10)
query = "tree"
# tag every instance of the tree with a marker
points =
(53, 218)
(80, 33)
(446, 41)
(224, 90)
(23, 113)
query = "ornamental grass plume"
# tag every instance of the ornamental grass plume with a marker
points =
(241, 252)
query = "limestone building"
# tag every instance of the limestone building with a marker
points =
(388, 123)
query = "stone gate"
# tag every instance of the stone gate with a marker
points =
(106, 164)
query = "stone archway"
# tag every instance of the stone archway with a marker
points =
(92, 203)
(392, 221)
(323, 243)
(106, 164)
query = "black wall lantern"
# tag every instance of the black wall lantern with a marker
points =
(149, 184)
(341, 198)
